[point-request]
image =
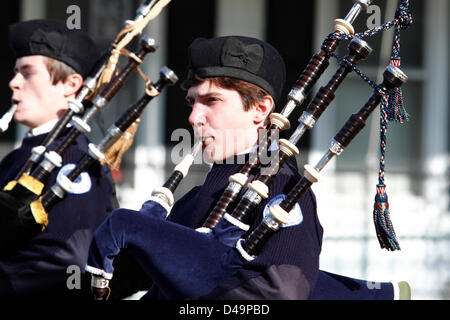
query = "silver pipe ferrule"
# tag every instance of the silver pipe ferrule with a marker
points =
(100, 102)
(90, 83)
(307, 119)
(99, 282)
(58, 191)
(324, 160)
(47, 165)
(270, 221)
(298, 133)
(335, 147)
(234, 187)
(358, 6)
(109, 138)
(253, 196)
(288, 108)
(90, 114)
(296, 96)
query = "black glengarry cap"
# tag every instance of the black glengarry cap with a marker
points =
(52, 38)
(239, 57)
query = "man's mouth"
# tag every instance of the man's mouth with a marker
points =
(15, 101)
(207, 140)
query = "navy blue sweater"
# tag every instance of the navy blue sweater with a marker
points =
(287, 267)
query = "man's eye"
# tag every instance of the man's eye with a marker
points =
(212, 99)
(26, 74)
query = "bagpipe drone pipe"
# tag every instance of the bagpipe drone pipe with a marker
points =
(331, 286)
(316, 66)
(258, 189)
(279, 213)
(188, 264)
(298, 93)
(19, 222)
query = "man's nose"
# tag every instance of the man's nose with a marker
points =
(14, 83)
(197, 117)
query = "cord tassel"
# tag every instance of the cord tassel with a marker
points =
(383, 225)
(396, 110)
(391, 109)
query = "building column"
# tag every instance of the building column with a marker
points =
(434, 144)
(152, 129)
(150, 152)
(237, 17)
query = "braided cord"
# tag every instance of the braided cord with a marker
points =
(391, 108)
(402, 20)
(355, 69)
(396, 109)
(383, 132)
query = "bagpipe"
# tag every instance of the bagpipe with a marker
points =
(6, 118)
(101, 75)
(188, 264)
(24, 206)
(279, 121)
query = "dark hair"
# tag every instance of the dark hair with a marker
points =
(59, 71)
(250, 94)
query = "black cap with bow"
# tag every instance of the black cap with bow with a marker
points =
(53, 39)
(239, 57)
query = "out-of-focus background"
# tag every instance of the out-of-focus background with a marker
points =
(417, 159)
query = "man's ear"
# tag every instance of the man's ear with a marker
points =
(72, 84)
(262, 110)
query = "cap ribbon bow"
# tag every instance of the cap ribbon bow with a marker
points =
(239, 55)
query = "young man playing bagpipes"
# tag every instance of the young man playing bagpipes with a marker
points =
(232, 87)
(211, 244)
(194, 249)
(52, 62)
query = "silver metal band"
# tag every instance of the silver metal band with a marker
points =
(335, 147)
(307, 119)
(234, 187)
(99, 282)
(252, 196)
(271, 222)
